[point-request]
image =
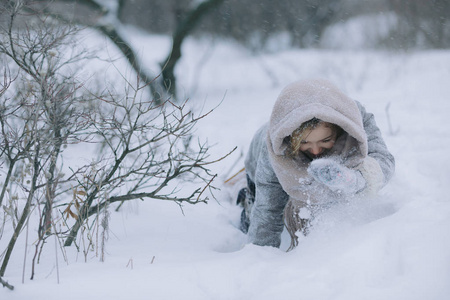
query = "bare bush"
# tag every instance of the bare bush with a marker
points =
(135, 148)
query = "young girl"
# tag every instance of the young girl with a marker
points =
(320, 146)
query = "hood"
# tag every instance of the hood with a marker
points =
(303, 100)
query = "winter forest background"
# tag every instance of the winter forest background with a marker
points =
(122, 120)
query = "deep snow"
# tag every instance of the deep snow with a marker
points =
(396, 246)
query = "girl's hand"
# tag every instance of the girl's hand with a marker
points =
(337, 177)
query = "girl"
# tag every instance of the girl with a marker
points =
(319, 146)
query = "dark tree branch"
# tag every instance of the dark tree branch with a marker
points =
(131, 57)
(6, 284)
(184, 28)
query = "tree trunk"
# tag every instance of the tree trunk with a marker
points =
(184, 28)
(24, 216)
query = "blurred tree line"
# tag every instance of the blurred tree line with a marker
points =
(417, 23)
(405, 24)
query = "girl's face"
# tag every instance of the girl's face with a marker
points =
(318, 141)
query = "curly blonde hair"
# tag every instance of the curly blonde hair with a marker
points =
(298, 135)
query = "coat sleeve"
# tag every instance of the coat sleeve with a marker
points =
(379, 166)
(266, 217)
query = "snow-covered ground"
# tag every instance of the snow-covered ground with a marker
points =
(396, 246)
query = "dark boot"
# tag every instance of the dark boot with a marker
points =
(246, 200)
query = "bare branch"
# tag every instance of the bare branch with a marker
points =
(183, 30)
(6, 284)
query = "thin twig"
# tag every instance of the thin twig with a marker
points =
(26, 250)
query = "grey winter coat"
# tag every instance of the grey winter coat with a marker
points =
(278, 177)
